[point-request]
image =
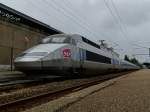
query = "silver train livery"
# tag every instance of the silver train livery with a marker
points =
(70, 54)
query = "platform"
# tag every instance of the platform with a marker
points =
(128, 93)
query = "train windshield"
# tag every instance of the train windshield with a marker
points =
(56, 40)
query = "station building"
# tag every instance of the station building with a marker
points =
(19, 32)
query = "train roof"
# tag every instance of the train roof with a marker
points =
(84, 39)
(64, 34)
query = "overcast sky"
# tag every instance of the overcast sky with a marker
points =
(122, 22)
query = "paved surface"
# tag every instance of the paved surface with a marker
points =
(128, 94)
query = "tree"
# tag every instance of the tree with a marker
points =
(126, 58)
(132, 60)
(135, 61)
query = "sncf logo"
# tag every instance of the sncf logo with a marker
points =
(66, 53)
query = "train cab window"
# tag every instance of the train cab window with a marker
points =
(55, 40)
(45, 40)
(58, 40)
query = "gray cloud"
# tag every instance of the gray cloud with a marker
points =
(91, 18)
(135, 12)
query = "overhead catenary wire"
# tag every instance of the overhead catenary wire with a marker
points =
(63, 11)
(71, 16)
(115, 19)
(118, 20)
(140, 46)
(78, 18)
(122, 25)
(75, 13)
(47, 12)
(31, 3)
(42, 10)
(125, 29)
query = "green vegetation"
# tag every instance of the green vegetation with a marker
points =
(132, 60)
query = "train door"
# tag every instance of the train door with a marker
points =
(113, 63)
(81, 57)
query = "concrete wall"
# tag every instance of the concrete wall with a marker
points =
(19, 37)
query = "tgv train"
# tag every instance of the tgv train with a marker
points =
(70, 54)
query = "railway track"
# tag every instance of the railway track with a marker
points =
(52, 91)
(10, 83)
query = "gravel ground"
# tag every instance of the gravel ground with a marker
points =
(44, 88)
(16, 94)
(129, 94)
(53, 86)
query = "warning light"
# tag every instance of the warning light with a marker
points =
(66, 53)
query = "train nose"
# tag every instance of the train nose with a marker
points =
(32, 58)
(27, 63)
(37, 52)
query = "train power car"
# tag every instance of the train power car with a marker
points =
(70, 54)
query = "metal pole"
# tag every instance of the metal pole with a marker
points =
(11, 58)
(149, 52)
(12, 52)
